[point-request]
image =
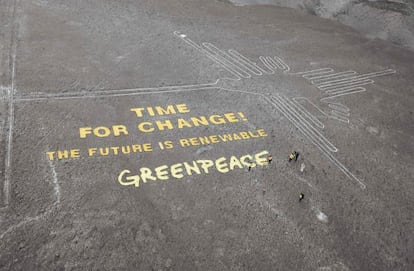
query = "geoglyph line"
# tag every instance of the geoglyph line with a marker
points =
(289, 114)
(110, 93)
(314, 73)
(302, 124)
(234, 62)
(114, 94)
(347, 85)
(338, 84)
(342, 93)
(317, 79)
(280, 104)
(308, 115)
(333, 84)
(356, 77)
(252, 65)
(49, 209)
(8, 168)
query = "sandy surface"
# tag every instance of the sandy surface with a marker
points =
(106, 106)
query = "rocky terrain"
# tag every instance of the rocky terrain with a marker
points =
(391, 20)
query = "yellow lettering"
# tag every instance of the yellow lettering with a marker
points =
(231, 117)
(244, 135)
(142, 125)
(217, 119)
(120, 129)
(161, 111)
(194, 141)
(176, 171)
(84, 131)
(234, 162)
(104, 151)
(168, 144)
(92, 151)
(137, 111)
(204, 140)
(126, 149)
(50, 155)
(147, 147)
(260, 160)
(161, 172)
(236, 137)
(136, 148)
(226, 137)
(181, 123)
(146, 174)
(221, 165)
(182, 108)
(115, 150)
(205, 165)
(184, 142)
(131, 180)
(75, 153)
(214, 139)
(189, 169)
(201, 120)
(150, 111)
(62, 154)
(101, 131)
(247, 161)
(162, 125)
(253, 135)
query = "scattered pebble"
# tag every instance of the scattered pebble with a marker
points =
(373, 130)
(321, 216)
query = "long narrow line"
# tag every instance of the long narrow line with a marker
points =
(274, 63)
(345, 90)
(357, 90)
(365, 76)
(317, 134)
(8, 168)
(339, 114)
(332, 79)
(115, 94)
(286, 112)
(267, 65)
(305, 73)
(244, 65)
(220, 61)
(208, 54)
(114, 91)
(339, 107)
(347, 83)
(310, 102)
(228, 58)
(248, 62)
(283, 64)
(313, 73)
(331, 76)
(338, 118)
(305, 123)
(311, 117)
(224, 61)
(298, 123)
(332, 158)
